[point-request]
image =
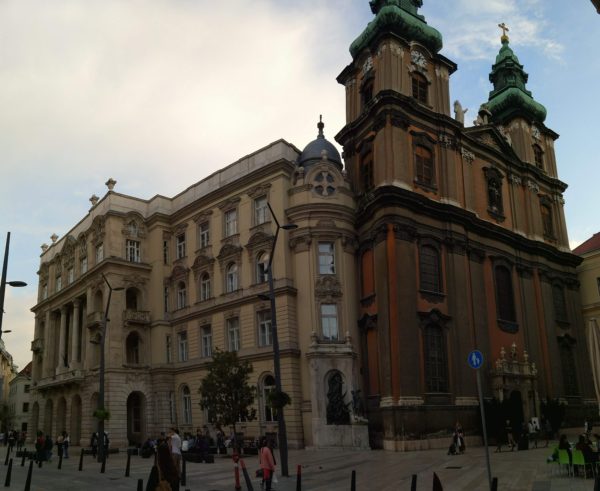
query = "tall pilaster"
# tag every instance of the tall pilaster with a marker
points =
(62, 352)
(75, 340)
(47, 364)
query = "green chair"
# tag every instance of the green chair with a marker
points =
(579, 461)
(563, 459)
(553, 461)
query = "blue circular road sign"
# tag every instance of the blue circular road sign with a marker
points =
(475, 359)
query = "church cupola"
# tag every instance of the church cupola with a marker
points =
(510, 97)
(318, 150)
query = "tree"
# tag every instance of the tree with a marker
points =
(225, 392)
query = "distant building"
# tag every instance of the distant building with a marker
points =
(18, 400)
(433, 239)
(7, 373)
(597, 5)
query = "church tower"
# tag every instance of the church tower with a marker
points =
(455, 247)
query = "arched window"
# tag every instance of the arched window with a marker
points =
(547, 220)
(262, 267)
(560, 306)
(205, 290)
(429, 269)
(420, 87)
(424, 166)
(568, 366)
(538, 156)
(132, 348)
(366, 91)
(504, 294)
(268, 386)
(186, 399)
(231, 278)
(436, 359)
(367, 177)
(131, 299)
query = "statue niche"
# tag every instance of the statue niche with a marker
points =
(337, 409)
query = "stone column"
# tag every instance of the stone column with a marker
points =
(75, 334)
(47, 364)
(62, 352)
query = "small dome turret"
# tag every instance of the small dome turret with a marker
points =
(319, 148)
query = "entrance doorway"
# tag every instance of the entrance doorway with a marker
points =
(136, 418)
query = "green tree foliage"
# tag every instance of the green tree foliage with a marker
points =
(225, 392)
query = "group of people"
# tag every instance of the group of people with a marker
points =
(166, 472)
(44, 445)
(527, 435)
(12, 438)
(95, 440)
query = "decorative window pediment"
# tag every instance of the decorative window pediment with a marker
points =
(179, 273)
(259, 190)
(259, 240)
(134, 226)
(202, 263)
(229, 252)
(229, 203)
(97, 229)
(328, 287)
(202, 216)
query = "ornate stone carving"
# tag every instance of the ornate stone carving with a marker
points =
(97, 229)
(202, 216)
(535, 133)
(259, 190)
(367, 66)
(110, 184)
(488, 140)
(446, 140)
(533, 186)
(328, 287)
(514, 179)
(229, 203)
(467, 155)
(228, 251)
(417, 58)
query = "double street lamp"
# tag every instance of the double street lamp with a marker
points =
(101, 412)
(3, 283)
(281, 428)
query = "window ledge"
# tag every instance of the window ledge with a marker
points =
(508, 326)
(432, 188)
(433, 297)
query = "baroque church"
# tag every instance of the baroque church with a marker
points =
(424, 240)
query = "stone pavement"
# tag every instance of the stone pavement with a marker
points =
(321, 471)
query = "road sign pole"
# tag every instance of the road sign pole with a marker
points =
(484, 429)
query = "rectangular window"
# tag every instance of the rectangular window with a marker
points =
(166, 298)
(205, 287)
(45, 291)
(261, 210)
(26, 388)
(204, 234)
(181, 297)
(231, 225)
(329, 321)
(233, 334)
(58, 283)
(165, 252)
(183, 345)
(206, 341)
(264, 328)
(326, 258)
(169, 348)
(171, 407)
(70, 276)
(180, 246)
(83, 265)
(132, 251)
(25, 407)
(99, 252)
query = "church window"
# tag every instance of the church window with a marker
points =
(419, 87)
(560, 305)
(569, 372)
(366, 166)
(329, 321)
(436, 363)
(538, 156)
(326, 258)
(424, 166)
(504, 294)
(429, 269)
(547, 220)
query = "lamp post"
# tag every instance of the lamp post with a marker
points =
(4, 282)
(281, 428)
(101, 411)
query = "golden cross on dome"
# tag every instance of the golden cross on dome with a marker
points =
(505, 29)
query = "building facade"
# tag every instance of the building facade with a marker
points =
(429, 240)
(18, 400)
(8, 371)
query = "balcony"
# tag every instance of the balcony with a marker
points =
(73, 377)
(94, 319)
(37, 345)
(139, 317)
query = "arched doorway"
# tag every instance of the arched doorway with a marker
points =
(136, 418)
(75, 431)
(515, 409)
(48, 410)
(61, 415)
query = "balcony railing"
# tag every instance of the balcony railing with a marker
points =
(131, 316)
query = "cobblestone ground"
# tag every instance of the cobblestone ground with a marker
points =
(321, 471)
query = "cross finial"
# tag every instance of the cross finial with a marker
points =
(321, 125)
(505, 29)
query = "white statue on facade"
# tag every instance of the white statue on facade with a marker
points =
(459, 112)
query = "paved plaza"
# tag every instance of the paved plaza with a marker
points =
(321, 471)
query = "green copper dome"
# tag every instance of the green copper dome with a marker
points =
(510, 96)
(400, 17)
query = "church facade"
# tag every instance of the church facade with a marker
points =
(428, 239)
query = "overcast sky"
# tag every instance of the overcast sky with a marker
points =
(160, 94)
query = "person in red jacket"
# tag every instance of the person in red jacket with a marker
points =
(267, 463)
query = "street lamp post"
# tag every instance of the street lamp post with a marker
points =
(281, 428)
(3, 283)
(101, 411)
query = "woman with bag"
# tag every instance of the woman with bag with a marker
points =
(168, 477)
(267, 464)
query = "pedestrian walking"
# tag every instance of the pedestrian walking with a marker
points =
(166, 468)
(267, 463)
(509, 435)
(66, 443)
(175, 447)
(94, 444)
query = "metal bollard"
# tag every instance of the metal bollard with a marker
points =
(103, 468)
(236, 473)
(353, 481)
(128, 466)
(413, 484)
(140, 485)
(7, 456)
(23, 458)
(60, 461)
(183, 471)
(249, 486)
(81, 460)
(298, 477)
(28, 481)
(495, 484)
(8, 474)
